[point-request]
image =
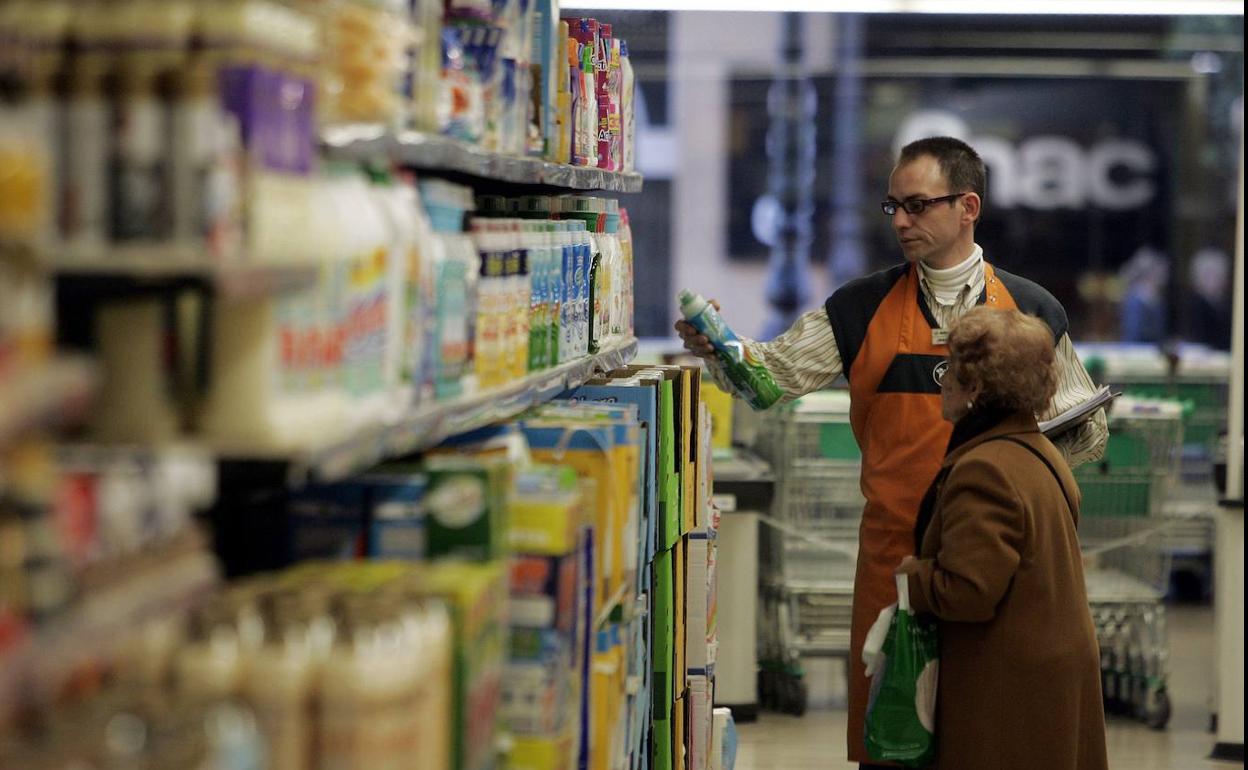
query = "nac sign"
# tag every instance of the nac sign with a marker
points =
(1049, 173)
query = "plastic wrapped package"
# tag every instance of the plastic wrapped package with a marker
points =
(426, 71)
(461, 95)
(367, 45)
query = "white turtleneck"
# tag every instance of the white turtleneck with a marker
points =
(947, 286)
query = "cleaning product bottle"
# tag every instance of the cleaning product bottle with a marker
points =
(614, 304)
(583, 255)
(536, 258)
(628, 102)
(751, 378)
(521, 272)
(567, 292)
(587, 131)
(572, 116)
(626, 253)
(602, 90)
(561, 145)
(555, 291)
(84, 212)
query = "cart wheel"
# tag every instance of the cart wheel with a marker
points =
(1157, 709)
(793, 696)
(767, 689)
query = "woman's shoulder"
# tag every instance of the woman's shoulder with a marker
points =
(1018, 458)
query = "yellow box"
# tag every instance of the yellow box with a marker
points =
(540, 753)
(679, 613)
(689, 442)
(720, 405)
(703, 470)
(584, 437)
(545, 511)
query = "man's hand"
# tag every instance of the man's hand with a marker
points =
(695, 342)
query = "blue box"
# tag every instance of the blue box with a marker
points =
(327, 521)
(397, 525)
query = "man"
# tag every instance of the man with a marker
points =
(886, 333)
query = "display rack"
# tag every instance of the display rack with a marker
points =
(429, 426)
(233, 278)
(440, 153)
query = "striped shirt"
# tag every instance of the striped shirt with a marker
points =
(805, 358)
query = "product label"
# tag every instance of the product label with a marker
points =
(458, 502)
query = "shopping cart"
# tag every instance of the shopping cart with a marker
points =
(1197, 378)
(810, 545)
(1123, 534)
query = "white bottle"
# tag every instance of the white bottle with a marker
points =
(589, 249)
(427, 631)
(628, 108)
(367, 690)
(487, 338)
(280, 683)
(618, 271)
(403, 284)
(569, 310)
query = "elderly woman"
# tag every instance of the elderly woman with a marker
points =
(999, 564)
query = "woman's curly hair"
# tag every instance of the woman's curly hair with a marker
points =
(1009, 355)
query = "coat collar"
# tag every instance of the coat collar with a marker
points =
(1012, 425)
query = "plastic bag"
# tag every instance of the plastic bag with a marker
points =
(873, 656)
(901, 713)
(730, 744)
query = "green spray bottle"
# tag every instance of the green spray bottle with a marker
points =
(751, 379)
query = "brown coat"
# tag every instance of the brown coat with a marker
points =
(1000, 567)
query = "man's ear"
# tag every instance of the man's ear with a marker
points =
(971, 205)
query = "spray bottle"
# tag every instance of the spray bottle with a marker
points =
(752, 380)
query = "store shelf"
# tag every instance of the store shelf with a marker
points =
(44, 396)
(440, 153)
(118, 597)
(20, 253)
(429, 426)
(735, 465)
(234, 279)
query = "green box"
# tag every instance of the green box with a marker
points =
(670, 502)
(1126, 452)
(837, 442)
(466, 507)
(662, 641)
(661, 743)
(664, 617)
(1105, 497)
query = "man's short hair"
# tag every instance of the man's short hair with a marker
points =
(960, 164)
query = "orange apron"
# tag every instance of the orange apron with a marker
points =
(895, 414)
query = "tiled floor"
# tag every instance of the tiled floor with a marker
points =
(816, 741)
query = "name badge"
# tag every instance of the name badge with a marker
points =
(940, 336)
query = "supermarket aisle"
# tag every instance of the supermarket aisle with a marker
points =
(815, 741)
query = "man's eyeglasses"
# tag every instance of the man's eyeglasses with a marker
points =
(915, 205)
